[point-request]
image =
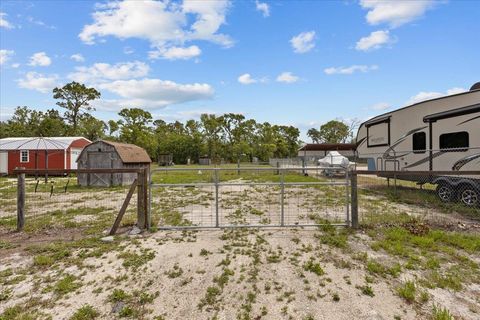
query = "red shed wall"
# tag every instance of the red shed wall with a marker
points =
(56, 160)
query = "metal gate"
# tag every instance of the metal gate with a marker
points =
(184, 198)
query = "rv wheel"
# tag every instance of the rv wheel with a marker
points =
(469, 196)
(445, 192)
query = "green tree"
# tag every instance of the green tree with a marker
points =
(334, 131)
(76, 98)
(51, 124)
(135, 127)
(314, 134)
(212, 129)
(113, 126)
(92, 128)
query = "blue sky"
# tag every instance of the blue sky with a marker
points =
(287, 62)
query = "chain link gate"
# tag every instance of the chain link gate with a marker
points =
(186, 198)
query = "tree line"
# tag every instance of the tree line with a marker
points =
(229, 136)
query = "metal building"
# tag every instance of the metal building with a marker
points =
(55, 153)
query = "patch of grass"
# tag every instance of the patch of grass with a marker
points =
(439, 313)
(331, 236)
(5, 294)
(27, 310)
(7, 245)
(378, 268)
(134, 260)
(313, 267)
(407, 291)
(173, 218)
(87, 312)
(366, 290)
(66, 285)
(118, 295)
(210, 297)
(43, 261)
(175, 272)
(447, 280)
(204, 252)
(274, 258)
(222, 280)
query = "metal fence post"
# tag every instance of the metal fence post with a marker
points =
(354, 199)
(282, 199)
(20, 200)
(217, 220)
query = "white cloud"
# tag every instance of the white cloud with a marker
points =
(246, 78)
(40, 23)
(427, 95)
(263, 7)
(3, 22)
(395, 12)
(164, 24)
(287, 77)
(15, 65)
(77, 57)
(381, 106)
(374, 41)
(5, 55)
(155, 93)
(176, 53)
(101, 72)
(40, 59)
(303, 42)
(350, 70)
(37, 81)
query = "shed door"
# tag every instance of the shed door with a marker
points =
(74, 153)
(3, 162)
(99, 160)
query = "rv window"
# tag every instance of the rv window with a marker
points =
(455, 141)
(24, 156)
(419, 140)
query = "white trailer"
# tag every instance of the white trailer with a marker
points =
(441, 134)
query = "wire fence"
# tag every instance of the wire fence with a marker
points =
(255, 197)
(248, 196)
(60, 202)
(443, 198)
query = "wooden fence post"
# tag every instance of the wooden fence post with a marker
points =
(20, 200)
(141, 222)
(354, 199)
(146, 198)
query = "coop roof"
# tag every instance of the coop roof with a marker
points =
(327, 146)
(129, 153)
(37, 143)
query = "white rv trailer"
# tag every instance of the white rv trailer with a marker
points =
(441, 134)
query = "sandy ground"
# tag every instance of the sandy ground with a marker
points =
(177, 301)
(283, 289)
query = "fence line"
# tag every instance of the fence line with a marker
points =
(141, 182)
(251, 197)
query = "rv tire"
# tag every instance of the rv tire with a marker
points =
(445, 192)
(469, 196)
